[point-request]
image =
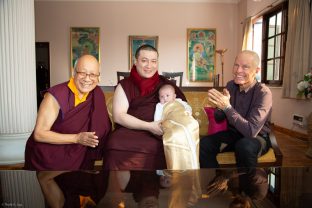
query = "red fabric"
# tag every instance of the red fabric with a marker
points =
(146, 85)
(213, 126)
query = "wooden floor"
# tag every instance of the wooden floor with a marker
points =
(293, 150)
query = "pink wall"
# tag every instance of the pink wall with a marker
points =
(119, 20)
(167, 20)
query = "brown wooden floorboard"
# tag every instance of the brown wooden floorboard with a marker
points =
(293, 150)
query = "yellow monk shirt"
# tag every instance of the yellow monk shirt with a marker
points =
(73, 88)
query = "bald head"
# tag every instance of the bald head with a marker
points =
(87, 72)
(254, 55)
(88, 61)
(245, 68)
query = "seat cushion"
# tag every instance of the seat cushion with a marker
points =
(214, 126)
(225, 158)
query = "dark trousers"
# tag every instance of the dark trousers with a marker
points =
(246, 149)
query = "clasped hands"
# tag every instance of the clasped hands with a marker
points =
(220, 100)
(87, 139)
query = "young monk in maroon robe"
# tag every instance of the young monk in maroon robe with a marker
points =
(71, 129)
(136, 143)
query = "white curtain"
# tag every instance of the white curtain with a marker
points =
(298, 46)
(247, 40)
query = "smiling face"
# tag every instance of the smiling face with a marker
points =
(147, 63)
(166, 94)
(87, 74)
(245, 68)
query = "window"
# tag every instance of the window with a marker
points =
(269, 40)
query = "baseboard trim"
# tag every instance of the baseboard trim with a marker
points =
(291, 133)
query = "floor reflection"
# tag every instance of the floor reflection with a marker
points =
(270, 187)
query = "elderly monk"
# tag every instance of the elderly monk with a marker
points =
(71, 128)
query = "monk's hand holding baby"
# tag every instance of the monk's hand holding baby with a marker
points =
(155, 128)
(220, 100)
(87, 139)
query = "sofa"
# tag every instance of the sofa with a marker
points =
(197, 98)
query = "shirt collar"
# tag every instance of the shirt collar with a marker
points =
(250, 86)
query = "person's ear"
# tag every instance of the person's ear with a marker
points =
(73, 72)
(175, 95)
(257, 70)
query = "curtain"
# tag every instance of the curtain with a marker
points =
(247, 40)
(297, 46)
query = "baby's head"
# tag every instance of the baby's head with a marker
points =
(166, 93)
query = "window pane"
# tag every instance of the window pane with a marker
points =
(271, 48)
(270, 69)
(272, 26)
(279, 23)
(272, 183)
(277, 69)
(278, 46)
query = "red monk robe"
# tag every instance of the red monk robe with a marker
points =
(129, 149)
(88, 116)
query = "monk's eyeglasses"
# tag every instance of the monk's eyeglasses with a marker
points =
(84, 75)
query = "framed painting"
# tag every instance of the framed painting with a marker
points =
(201, 54)
(84, 40)
(136, 41)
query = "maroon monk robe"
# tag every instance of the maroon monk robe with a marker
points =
(90, 116)
(129, 149)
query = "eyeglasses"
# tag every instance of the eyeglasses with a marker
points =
(84, 75)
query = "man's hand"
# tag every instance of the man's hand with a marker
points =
(155, 128)
(221, 100)
(87, 139)
(218, 185)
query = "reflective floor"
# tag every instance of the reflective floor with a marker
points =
(270, 187)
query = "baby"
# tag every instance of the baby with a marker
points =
(167, 94)
(181, 130)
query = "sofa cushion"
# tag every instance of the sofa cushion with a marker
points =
(226, 158)
(214, 126)
(197, 100)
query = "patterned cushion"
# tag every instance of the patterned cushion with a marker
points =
(197, 100)
(109, 103)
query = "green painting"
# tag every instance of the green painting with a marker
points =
(84, 40)
(136, 41)
(201, 47)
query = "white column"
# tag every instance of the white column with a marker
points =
(20, 189)
(17, 78)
